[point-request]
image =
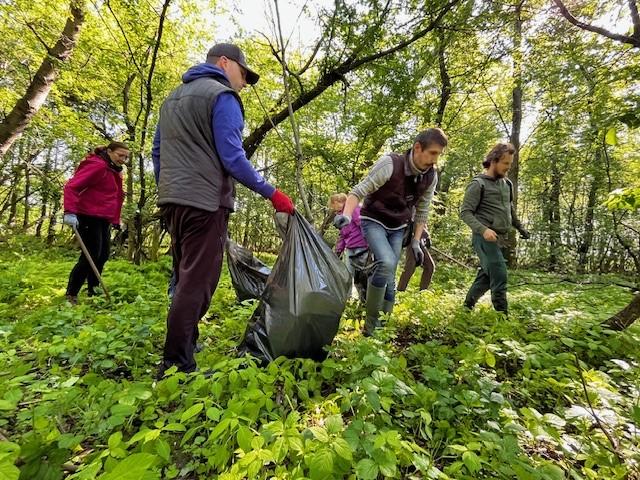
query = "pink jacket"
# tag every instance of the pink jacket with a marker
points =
(351, 236)
(95, 190)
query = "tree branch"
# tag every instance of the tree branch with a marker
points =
(634, 40)
(330, 77)
(44, 44)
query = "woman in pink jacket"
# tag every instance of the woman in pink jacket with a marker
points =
(92, 203)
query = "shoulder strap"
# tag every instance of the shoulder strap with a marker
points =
(510, 183)
(481, 182)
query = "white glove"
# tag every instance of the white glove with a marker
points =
(71, 219)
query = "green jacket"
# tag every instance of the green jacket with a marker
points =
(487, 204)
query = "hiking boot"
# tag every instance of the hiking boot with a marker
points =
(72, 299)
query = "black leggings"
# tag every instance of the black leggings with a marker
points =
(96, 235)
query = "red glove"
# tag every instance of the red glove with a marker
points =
(281, 202)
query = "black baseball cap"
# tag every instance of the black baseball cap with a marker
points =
(233, 52)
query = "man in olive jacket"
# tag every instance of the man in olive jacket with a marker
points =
(488, 210)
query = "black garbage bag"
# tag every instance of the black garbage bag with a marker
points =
(248, 274)
(300, 308)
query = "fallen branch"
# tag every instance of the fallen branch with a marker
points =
(612, 441)
(633, 288)
(450, 258)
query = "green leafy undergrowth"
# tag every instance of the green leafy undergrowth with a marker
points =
(438, 393)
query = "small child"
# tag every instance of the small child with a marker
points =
(353, 244)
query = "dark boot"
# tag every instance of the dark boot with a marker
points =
(375, 299)
(387, 307)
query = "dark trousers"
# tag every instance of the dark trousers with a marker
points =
(198, 239)
(428, 268)
(96, 235)
(492, 275)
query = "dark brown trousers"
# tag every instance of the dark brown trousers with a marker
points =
(428, 267)
(198, 239)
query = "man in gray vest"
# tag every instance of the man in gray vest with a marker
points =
(488, 209)
(198, 155)
(397, 186)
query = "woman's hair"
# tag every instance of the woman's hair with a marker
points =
(112, 146)
(337, 197)
(496, 153)
(117, 145)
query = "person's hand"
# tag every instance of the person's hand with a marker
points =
(524, 234)
(426, 240)
(282, 203)
(490, 236)
(71, 219)
(340, 221)
(116, 226)
(418, 254)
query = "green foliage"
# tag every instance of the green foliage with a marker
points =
(624, 199)
(439, 393)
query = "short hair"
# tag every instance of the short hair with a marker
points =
(213, 60)
(431, 135)
(337, 197)
(496, 153)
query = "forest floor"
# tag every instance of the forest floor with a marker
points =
(439, 393)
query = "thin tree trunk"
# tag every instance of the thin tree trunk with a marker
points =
(53, 220)
(38, 90)
(137, 234)
(444, 180)
(13, 202)
(516, 123)
(45, 194)
(27, 194)
(445, 80)
(292, 119)
(586, 240)
(554, 215)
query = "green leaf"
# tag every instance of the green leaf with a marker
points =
(191, 412)
(374, 400)
(321, 463)
(114, 440)
(489, 358)
(367, 469)
(610, 138)
(8, 471)
(163, 449)
(244, 437)
(342, 448)
(334, 423)
(131, 468)
(70, 382)
(7, 405)
(214, 413)
(471, 461)
(87, 473)
(174, 427)
(320, 433)
(552, 472)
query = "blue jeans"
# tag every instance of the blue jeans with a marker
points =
(386, 246)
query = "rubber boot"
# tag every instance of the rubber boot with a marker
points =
(375, 299)
(387, 306)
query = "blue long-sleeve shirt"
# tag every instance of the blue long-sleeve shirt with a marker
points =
(227, 124)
